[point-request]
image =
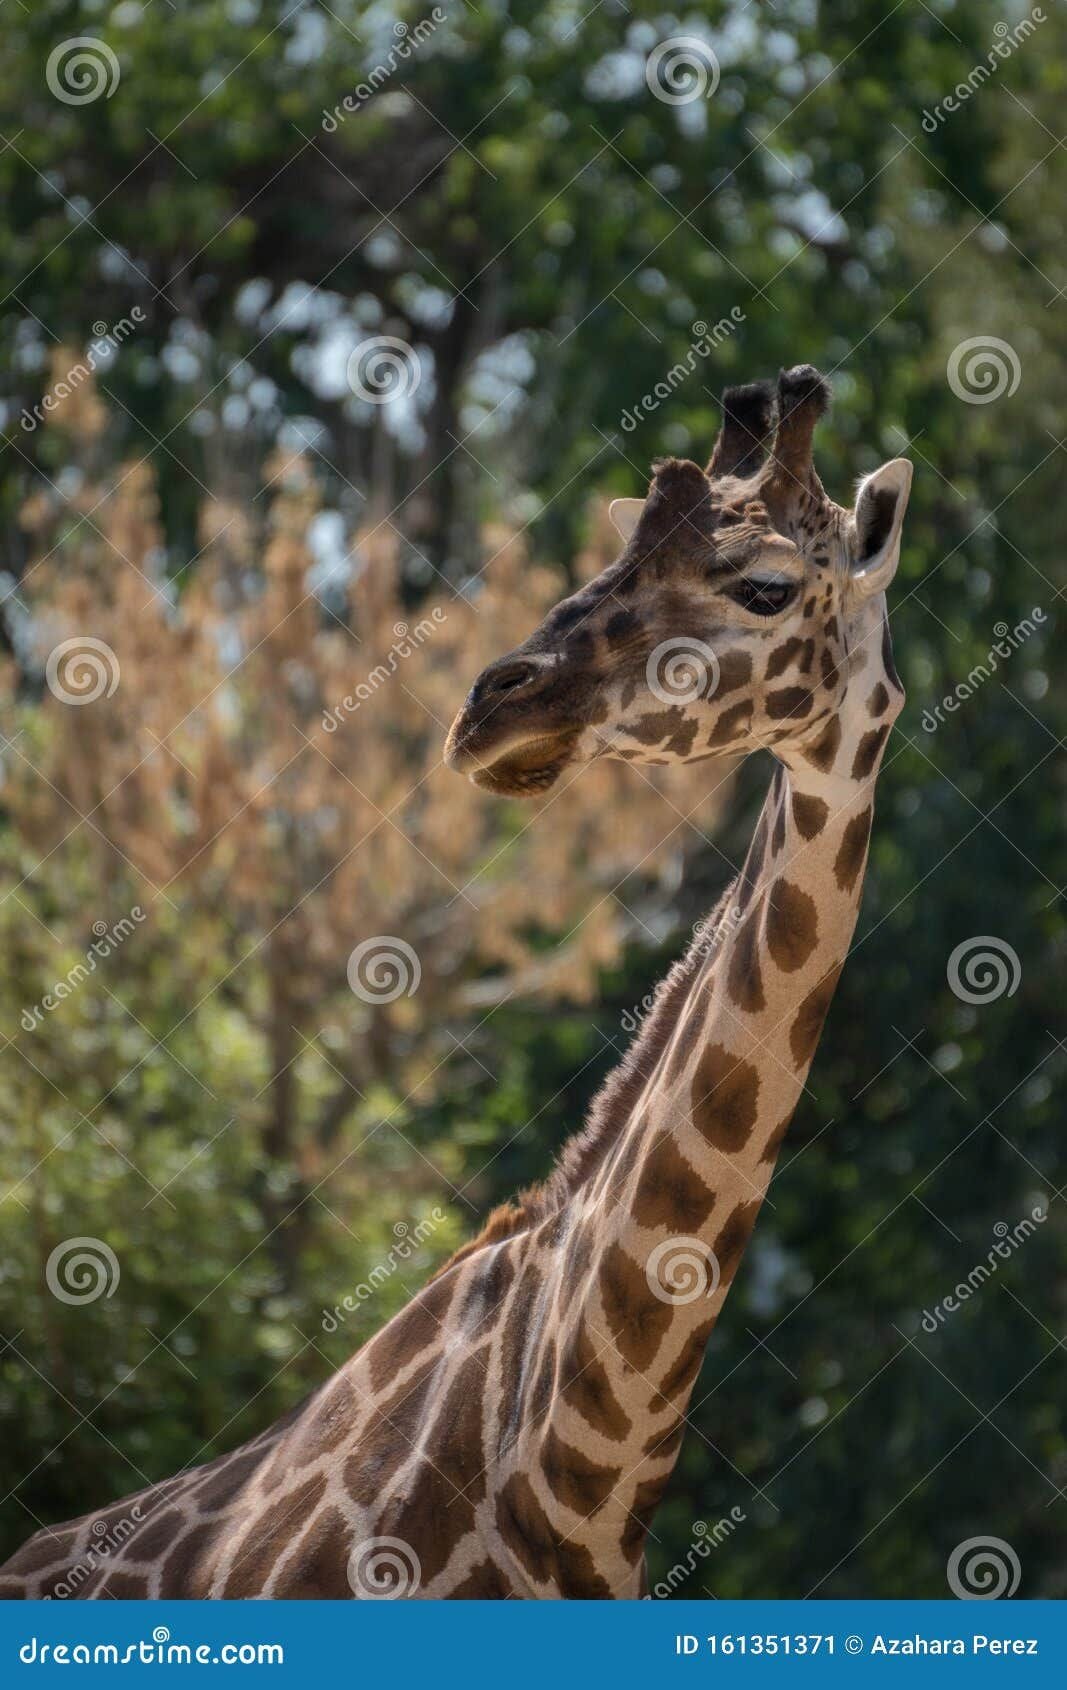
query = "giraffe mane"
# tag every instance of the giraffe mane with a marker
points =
(587, 1149)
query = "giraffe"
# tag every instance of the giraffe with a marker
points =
(510, 1432)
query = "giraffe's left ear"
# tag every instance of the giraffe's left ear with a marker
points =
(874, 533)
(625, 514)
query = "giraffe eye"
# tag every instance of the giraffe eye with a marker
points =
(763, 598)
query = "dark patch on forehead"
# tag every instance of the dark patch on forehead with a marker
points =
(622, 625)
(582, 643)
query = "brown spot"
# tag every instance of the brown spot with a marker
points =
(517, 1336)
(664, 1446)
(878, 702)
(541, 1395)
(793, 702)
(723, 1100)
(779, 830)
(809, 814)
(782, 657)
(125, 1587)
(646, 1501)
(807, 1023)
(485, 1297)
(588, 1388)
(774, 1143)
(317, 1570)
(484, 1582)
(188, 1569)
(685, 1039)
(656, 726)
(732, 723)
(573, 1478)
(535, 1542)
(735, 670)
(729, 1247)
(636, 1318)
(264, 1541)
(867, 751)
(679, 1380)
(389, 1439)
(621, 626)
(792, 925)
(822, 751)
(852, 851)
(670, 1192)
(829, 668)
(44, 1549)
(157, 1534)
(744, 980)
(409, 1332)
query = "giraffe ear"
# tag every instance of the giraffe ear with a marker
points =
(876, 523)
(625, 514)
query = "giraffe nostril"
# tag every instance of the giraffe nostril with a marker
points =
(506, 680)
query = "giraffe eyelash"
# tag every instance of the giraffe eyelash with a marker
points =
(764, 598)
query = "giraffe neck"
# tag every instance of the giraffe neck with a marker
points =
(656, 1237)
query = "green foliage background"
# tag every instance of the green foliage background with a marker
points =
(517, 166)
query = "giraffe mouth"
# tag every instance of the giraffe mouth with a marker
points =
(526, 770)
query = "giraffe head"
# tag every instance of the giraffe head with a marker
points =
(743, 606)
